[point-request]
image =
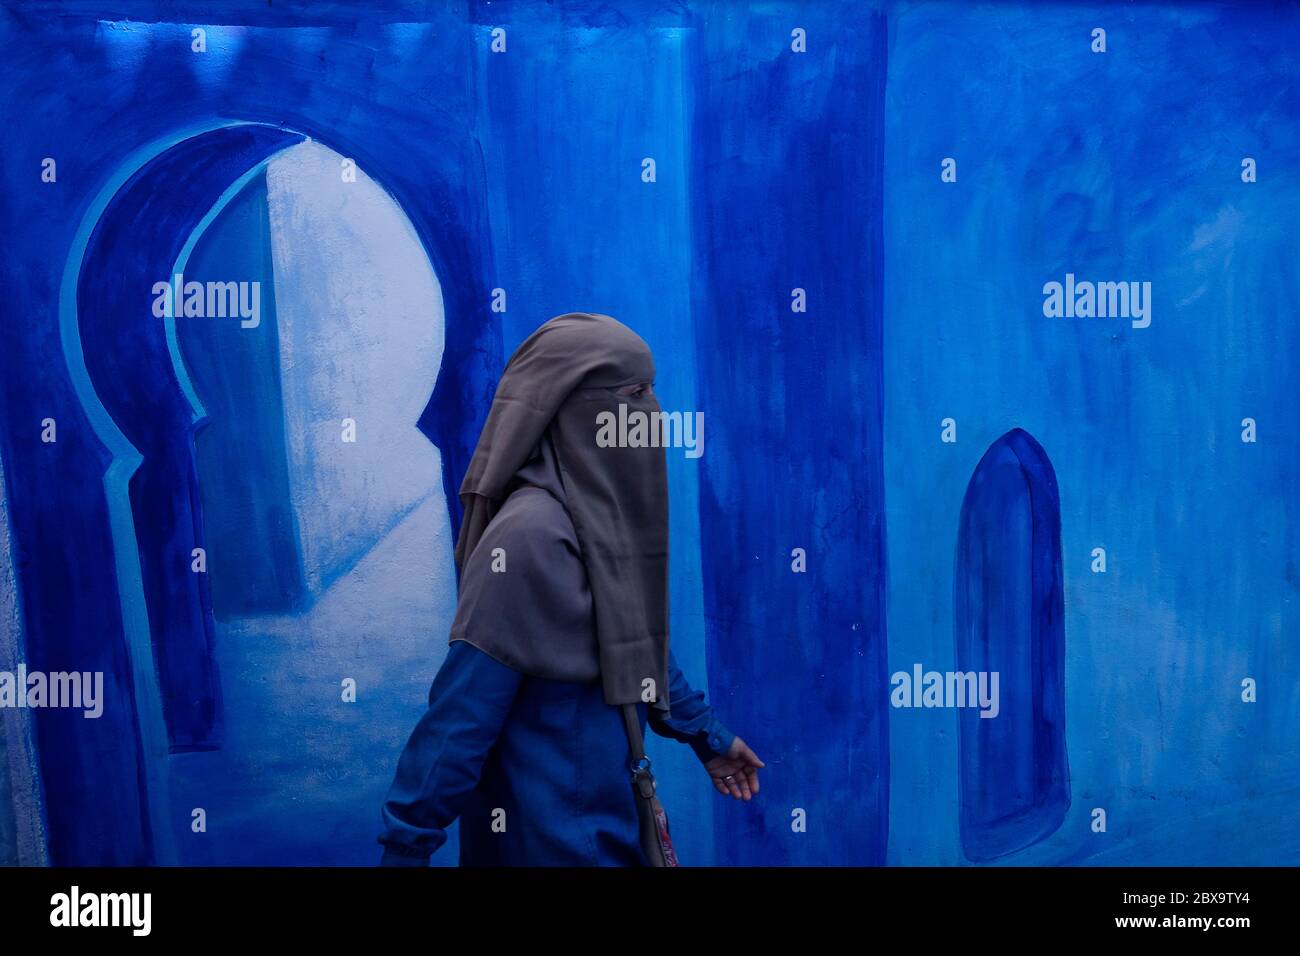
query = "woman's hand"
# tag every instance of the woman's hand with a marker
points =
(736, 772)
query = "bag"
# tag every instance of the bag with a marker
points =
(655, 841)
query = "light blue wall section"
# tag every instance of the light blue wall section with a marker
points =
(576, 229)
(1117, 166)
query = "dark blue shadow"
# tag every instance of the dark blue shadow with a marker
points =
(254, 564)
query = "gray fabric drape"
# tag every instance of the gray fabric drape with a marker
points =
(578, 525)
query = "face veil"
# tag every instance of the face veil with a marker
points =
(554, 390)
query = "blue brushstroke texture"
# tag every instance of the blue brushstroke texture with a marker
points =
(1009, 615)
(787, 175)
(1117, 166)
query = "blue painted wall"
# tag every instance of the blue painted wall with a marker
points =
(1117, 166)
(774, 171)
(787, 154)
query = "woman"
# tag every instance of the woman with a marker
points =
(561, 627)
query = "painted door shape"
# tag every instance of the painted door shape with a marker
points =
(1008, 603)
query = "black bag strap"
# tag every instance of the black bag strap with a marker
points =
(655, 841)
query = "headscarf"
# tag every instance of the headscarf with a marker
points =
(540, 438)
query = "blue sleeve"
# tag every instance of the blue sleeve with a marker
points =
(439, 768)
(690, 719)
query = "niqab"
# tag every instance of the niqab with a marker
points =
(578, 533)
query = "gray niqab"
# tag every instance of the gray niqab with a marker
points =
(581, 531)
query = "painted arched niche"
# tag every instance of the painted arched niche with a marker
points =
(1009, 615)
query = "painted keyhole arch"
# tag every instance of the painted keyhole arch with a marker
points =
(138, 395)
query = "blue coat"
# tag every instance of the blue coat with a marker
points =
(536, 770)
